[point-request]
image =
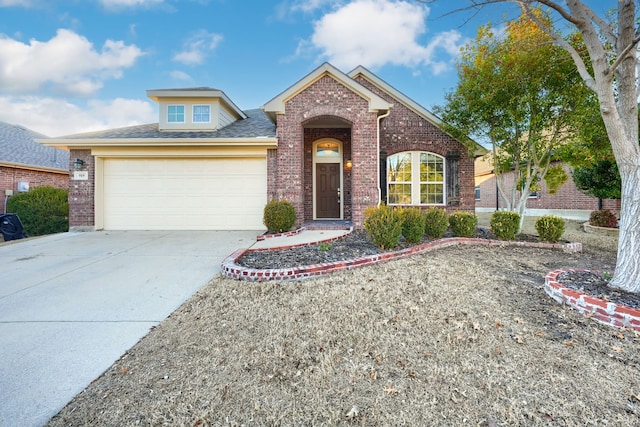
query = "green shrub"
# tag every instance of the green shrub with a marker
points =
(603, 218)
(384, 226)
(463, 224)
(42, 210)
(279, 216)
(550, 228)
(505, 224)
(436, 222)
(412, 224)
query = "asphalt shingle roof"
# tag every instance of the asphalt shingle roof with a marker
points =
(256, 124)
(18, 145)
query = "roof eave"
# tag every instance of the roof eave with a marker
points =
(259, 141)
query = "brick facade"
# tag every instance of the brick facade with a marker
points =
(404, 130)
(11, 176)
(329, 101)
(568, 196)
(81, 193)
(326, 98)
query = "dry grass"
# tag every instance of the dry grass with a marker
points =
(459, 336)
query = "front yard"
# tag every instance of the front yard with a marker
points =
(458, 336)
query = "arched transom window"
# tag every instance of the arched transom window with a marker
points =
(415, 178)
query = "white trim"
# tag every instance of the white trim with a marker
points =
(333, 160)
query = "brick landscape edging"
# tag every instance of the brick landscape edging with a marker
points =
(231, 269)
(608, 313)
(265, 236)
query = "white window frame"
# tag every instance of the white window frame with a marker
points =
(415, 179)
(194, 115)
(169, 113)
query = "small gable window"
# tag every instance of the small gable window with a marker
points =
(201, 114)
(415, 178)
(175, 113)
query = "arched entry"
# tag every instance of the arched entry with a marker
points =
(327, 179)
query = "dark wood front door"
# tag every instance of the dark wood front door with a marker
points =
(327, 184)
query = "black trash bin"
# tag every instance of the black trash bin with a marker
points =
(11, 227)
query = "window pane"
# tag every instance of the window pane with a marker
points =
(201, 114)
(175, 113)
(431, 194)
(328, 149)
(431, 168)
(399, 194)
(399, 168)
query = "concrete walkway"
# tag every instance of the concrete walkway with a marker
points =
(71, 304)
(304, 238)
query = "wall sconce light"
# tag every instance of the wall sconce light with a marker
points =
(349, 164)
(78, 163)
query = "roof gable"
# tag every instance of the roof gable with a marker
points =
(362, 72)
(277, 105)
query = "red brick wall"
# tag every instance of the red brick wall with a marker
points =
(10, 177)
(311, 135)
(405, 130)
(567, 197)
(326, 98)
(81, 193)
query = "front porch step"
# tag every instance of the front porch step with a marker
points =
(328, 225)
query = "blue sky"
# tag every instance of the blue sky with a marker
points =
(69, 66)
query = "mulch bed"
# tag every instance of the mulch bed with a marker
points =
(358, 244)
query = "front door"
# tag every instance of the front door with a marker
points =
(328, 190)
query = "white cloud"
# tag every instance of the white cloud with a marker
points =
(180, 75)
(68, 63)
(56, 117)
(373, 33)
(196, 47)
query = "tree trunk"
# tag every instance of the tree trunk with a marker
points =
(627, 273)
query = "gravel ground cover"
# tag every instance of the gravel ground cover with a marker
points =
(459, 336)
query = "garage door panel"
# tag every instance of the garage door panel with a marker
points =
(184, 194)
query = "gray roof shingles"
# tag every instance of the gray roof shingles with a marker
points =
(18, 145)
(257, 124)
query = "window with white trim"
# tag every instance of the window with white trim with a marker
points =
(175, 113)
(201, 113)
(415, 178)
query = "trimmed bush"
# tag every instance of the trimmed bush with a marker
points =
(279, 216)
(463, 224)
(412, 224)
(42, 210)
(436, 222)
(505, 224)
(384, 226)
(550, 228)
(603, 218)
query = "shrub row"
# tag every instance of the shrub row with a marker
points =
(386, 224)
(42, 210)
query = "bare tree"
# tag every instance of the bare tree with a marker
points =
(612, 74)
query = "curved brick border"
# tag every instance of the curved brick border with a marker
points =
(265, 236)
(608, 313)
(231, 269)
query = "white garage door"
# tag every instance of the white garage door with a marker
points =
(184, 194)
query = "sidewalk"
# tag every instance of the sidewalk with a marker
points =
(304, 238)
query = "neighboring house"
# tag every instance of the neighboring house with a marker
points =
(25, 164)
(332, 144)
(568, 202)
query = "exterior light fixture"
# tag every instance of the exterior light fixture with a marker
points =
(349, 164)
(78, 164)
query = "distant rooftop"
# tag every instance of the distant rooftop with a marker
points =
(18, 145)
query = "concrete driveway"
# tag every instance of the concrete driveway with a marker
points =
(71, 304)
